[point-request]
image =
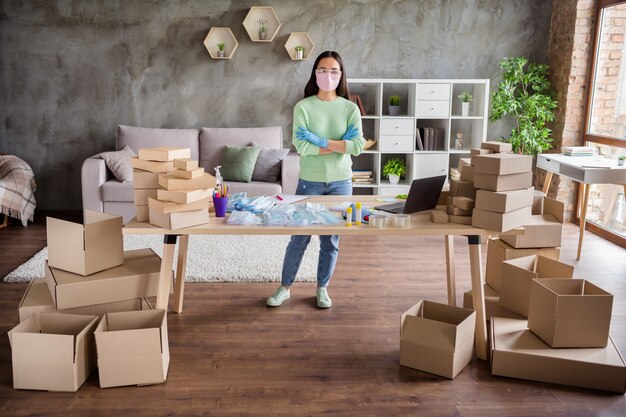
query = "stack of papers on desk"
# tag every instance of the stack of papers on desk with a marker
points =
(578, 150)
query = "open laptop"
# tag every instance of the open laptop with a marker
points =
(423, 195)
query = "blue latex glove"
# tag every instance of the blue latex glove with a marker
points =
(304, 134)
(351, 133)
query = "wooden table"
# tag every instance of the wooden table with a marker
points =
(420, 226)
(581, 170)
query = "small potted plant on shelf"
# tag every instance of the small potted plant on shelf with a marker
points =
(299, 52)
(394, 169)
(394, 105)
(262, 29)
(620, 160)
(465, 98)
(220, 50)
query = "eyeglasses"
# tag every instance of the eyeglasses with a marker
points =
(333, 72)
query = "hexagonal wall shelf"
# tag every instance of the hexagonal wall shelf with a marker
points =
(266, 16)
(299, 39)
(221, 35)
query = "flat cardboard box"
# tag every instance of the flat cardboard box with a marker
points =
(145, 179)
(190, 174)
(437, 338)
(183, 196)
(173, 221)
(518, 274)
(543, 230)
(503, 201)
(151, 166)
(464, 162)
(455, 211)
(53, 351)
(460, 188)
(133, 348)
(464, 203)
(467, 173)
(185, 163)
(499, 251)
(477, 151)
(568, 313)
(138, 277)
(164, 154)
(509, 182)
(502, 163)
(501, 222)
(460, 219)
(438, 216)
(166, 207)
(37, 299)
(170, 182)
(79, 248)
(142, 214)
(141, 196)
(518, 353)
(497, 147)
(493, 308)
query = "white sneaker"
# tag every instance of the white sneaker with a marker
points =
(323, 300)
(281, 294)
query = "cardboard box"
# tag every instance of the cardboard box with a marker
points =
(151, 166)
(467, 173)
(460, 219)
(53, 351)
(438, 216)
(518, 274)
(185, 163)
(538, 202)
(173, 221)
(145, 179)
(183, 196)
(164, 154)
(499, 251)
(497, 147)
(493, 308)
(190, 174)
(37, 299)
(502, 164)
(437, 338)
(569, 312)
(85, 249)
(503, 182)
(166, 207)
(462, 189)
(142, 214)
(141, 196)
(170, 182)
(464, 203)
(542, 230)
(138, 277)
(503, 201)
(477, 151)
(517, 353)
(455, 211)
(133, 348)
(501, 222)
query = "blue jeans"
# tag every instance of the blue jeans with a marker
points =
(329, 245)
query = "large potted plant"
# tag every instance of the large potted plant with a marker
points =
(394, 169)
(525, 95)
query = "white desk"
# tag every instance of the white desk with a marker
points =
(582, 170)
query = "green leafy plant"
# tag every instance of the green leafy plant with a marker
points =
(299, 48)
(525, 95)
(394, 166)
(394, 100)
(465, 97)
(622, 158)
(262, 23)
(220, 46)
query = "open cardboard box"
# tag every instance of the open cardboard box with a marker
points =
(132, 348)
(518, 274)
(493, 308)
(517, 352)
(37, 299)
(53, 351)
(544, 230)
(570, 312)
(437, 338)
(85, 249)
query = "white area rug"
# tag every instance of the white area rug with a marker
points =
(210, 258)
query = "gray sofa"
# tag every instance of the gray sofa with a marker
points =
(102, 192)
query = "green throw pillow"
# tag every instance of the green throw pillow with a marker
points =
(238, 162)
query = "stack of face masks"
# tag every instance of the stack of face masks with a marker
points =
(257, 211)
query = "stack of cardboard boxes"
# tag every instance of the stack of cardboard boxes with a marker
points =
(461, 196)
(88, 275)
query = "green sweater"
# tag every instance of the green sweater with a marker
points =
(330, 120)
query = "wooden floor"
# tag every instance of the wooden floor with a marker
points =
(232, 356)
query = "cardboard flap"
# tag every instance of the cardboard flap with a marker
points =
(66, 233)
(413, 311)
(428, 332)
(135, 320)
(84, 339)
(525, 262)
(549, 268)
(90, 216)
(30, 325)
(554, 208)
(60, 323)
(49, 348)
(445, 313)
(99, 228)
(122, 343)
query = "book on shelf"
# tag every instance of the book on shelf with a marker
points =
(363, 180)
(361, 173)
(420, 144)
(357, 100)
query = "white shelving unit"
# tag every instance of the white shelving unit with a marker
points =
(423, 103)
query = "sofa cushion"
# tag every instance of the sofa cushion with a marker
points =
(254, 188)
(213, 140)
(143, 137)
(118, 162)
(267, 167)
(238, 162)
(113, 190)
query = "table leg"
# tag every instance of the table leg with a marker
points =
(584, 189)
(450, 270)
(546, 182)
(478, 296)
(165, 275)
(181, 267)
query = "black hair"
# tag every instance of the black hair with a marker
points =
(342, 90)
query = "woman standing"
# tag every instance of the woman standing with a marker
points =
(327, 130)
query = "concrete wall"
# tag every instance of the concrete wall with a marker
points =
(71, 71)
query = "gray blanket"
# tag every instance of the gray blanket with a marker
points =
(17, 189)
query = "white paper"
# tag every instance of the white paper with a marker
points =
(289, 198)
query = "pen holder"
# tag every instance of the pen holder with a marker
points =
(220, 204)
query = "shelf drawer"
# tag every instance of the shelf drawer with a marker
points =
(430, 165)
(397, 126)
(395, 143)
(433, 92)
(392, 191)
(432, 108)
(548, 164)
